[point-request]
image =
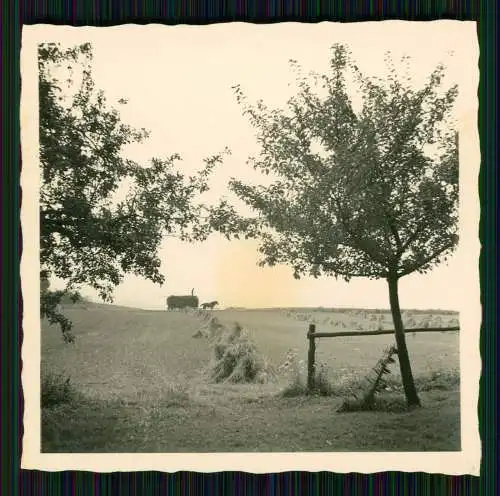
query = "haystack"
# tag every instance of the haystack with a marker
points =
(237, 360)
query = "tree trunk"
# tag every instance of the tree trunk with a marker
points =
(404, 360)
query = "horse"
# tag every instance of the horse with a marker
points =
(210, 305)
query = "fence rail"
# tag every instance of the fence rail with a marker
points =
(312, 335)
(384, 331)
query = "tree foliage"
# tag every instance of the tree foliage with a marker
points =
(364, 175)
(102, 215)
(358, 192)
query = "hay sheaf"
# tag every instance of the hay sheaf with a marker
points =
(211, 327)
(237, 359)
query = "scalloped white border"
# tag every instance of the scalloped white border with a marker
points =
(465, 462)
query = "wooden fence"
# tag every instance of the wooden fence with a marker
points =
(312, 335)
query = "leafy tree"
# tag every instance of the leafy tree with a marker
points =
(364, 183)
(101, 215)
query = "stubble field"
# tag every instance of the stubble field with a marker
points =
(141, 383)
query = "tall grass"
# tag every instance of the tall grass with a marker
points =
(295, 372)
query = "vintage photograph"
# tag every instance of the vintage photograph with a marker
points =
(252, 239)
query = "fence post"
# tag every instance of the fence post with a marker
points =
(311, 357)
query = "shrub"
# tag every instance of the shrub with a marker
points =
(56, 389)
(295, 369)
(292, 367)
(322, 385)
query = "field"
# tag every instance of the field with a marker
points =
(140, 383)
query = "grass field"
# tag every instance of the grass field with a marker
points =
(141, 385)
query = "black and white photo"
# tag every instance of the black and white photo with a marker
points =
(251, 247)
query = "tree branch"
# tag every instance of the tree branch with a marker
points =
(397, 239)
(362, 244)
(382, 274)
(416, 266)
(412, 238)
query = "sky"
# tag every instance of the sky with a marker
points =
(177, 81)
